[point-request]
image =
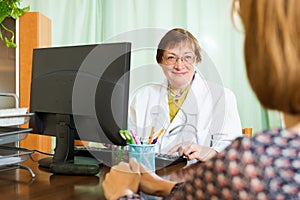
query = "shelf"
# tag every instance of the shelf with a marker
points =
(14, 116)
(10, 119)
(11, 134)
(11, 155)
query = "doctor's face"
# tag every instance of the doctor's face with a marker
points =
(178, 65)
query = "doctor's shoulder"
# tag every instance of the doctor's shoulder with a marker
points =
(219, 91)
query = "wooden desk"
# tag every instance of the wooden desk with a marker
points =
(18, 184)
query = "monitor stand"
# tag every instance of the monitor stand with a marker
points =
(64, 161)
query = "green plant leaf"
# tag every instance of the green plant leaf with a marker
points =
(10, 8)
(9, 43)
(26, 9)
(2, 17)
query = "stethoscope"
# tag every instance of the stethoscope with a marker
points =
(179, 128)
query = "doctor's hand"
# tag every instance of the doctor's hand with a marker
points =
(193, 150)
(123, 179)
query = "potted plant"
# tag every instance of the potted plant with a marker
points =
(10, 8)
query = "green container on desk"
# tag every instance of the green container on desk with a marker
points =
(143, 153)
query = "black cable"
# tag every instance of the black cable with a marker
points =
(48, 154)
(26, 150)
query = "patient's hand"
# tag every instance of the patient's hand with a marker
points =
(193, 151)
(122, 179)
(152, 184)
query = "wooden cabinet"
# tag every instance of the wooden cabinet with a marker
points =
(35, 32)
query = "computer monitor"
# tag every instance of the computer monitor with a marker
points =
(80, 92)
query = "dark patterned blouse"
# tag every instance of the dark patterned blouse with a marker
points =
(264, 167)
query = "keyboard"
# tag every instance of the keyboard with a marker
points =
(164, 160)
(105, 156)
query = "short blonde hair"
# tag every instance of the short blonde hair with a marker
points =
(272, 51)
(174, 37)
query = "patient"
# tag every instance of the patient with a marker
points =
(266, 166)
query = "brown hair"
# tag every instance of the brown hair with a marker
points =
(272, 51)
(175, 36)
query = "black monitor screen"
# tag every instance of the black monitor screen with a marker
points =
(80, 92)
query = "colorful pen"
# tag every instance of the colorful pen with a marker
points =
(127, 136)
(151, 135)
(122, 134)
(134, 137)
(159, 134)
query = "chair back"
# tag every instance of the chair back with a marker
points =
(247, 132)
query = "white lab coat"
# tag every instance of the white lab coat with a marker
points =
(209, 107)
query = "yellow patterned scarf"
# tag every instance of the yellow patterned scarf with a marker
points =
(178, 99)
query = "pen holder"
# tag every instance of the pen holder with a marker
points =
(144, 154)
(119, 153)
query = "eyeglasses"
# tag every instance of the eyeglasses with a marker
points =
(172, 59)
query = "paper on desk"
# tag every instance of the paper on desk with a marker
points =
(10, 116)
(9, 160)
(96, 145)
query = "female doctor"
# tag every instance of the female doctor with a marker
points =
(197, 118)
